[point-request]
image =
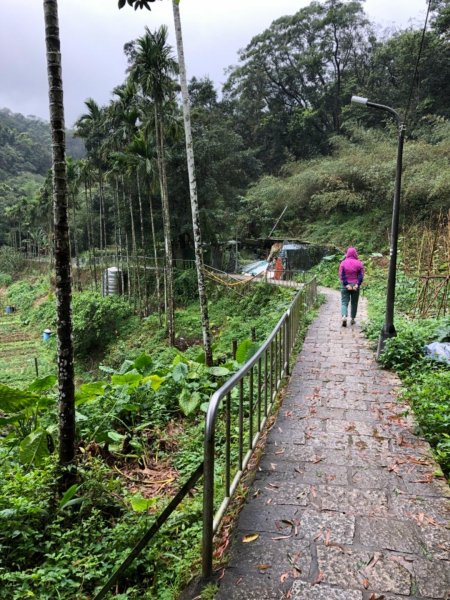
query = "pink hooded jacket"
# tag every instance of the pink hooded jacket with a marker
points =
(351, 269)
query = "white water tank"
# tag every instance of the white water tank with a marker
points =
(112, 282)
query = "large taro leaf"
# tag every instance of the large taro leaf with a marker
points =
(189, 401)
(43, 384)
(13, 400)
(34, 448)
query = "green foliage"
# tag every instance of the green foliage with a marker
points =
(429, 395)
(327, 271)
(426, 383)
(404, 353)
(25, 292)
(5, 280)
(97, 320)
(346, 199)
(185, 286)
(11, 262)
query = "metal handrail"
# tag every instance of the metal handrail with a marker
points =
(270, 364)
(150, 533)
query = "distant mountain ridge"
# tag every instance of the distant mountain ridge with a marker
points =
(25, 145)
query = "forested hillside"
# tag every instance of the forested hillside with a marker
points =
(285, 106)
(25, 159)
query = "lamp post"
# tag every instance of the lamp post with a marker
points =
(388, 329)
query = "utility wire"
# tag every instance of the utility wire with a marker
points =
(417, 62)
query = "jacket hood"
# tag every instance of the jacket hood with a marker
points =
(351, 253)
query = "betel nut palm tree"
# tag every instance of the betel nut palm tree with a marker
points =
(152, 70)
(66, 405)
(191, 172)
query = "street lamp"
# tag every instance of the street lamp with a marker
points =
(388, 329)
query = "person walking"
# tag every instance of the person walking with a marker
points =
(351, 275)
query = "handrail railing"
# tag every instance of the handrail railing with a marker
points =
(150, 533)
(249, 397)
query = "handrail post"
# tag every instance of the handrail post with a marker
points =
(288, 345)
(208, 505)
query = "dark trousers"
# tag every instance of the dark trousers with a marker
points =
(349, 297)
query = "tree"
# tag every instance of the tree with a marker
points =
(152, 69)
(193, 190)
(192, 179)
(290, 87)
(62, 247)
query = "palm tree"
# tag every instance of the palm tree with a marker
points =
(152, 70)
(191, 171)
(193, 189)
(62, 248)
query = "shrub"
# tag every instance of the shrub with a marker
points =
(5, 280)
(97, 320)
(11, 261)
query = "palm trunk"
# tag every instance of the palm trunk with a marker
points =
(166, 224)
(206, 330)
(62, 255)
(155, 255)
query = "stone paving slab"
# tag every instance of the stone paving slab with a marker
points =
(345, 502)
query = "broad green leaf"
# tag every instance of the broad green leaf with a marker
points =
(156, 381)
(189, 402)
(179, 372)
(126, 366)
(44, 384)
(219, 371)
(13, 400)
(69, 494)
(204, 406)
(132, 379)
(34, 448)
(106, 369)
(140, 504)
(246, 350)
(90, 391)
(200, 358)
(143, 363)
(115, 437)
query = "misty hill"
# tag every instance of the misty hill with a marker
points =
(25, 145)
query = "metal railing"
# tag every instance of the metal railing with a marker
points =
(151, 532)
(246, 400)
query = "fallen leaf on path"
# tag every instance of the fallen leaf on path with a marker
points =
(317, 459)
(250, 538)
(374, 596)
(280, 451)
(263, 567)
(284, 576)
(422, 518)
(373, 561)
(275, 486)
(239, 581)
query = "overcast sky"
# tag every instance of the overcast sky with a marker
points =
(93, 33)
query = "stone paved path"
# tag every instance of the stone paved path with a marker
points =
(345, 503)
